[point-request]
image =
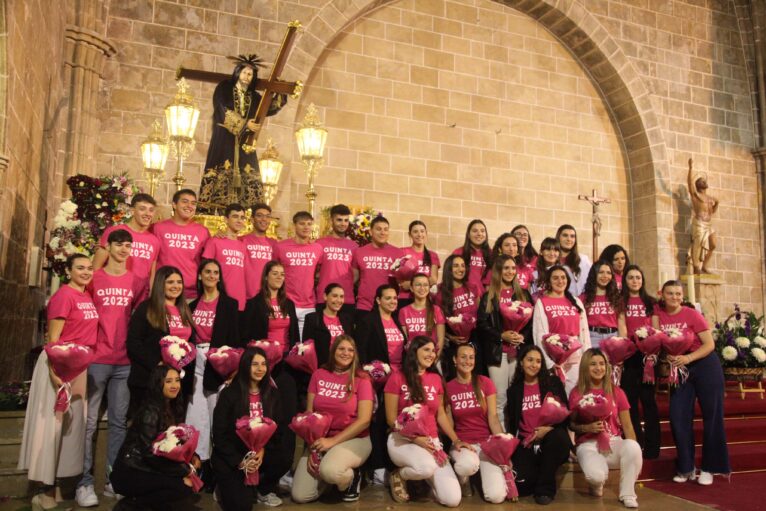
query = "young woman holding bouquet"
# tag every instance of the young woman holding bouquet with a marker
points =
(52, 443)
(472, 401)
(578, 265)
(546, 447)
(325, 326)
(251, 394)
(143, 478)
(216, 322)
(501, 342)
(639, 308)
(422, 317)
(618, 258)
(559, 312)
(603, 303)
(704, 383)
(550, 254)
(428, 260)
(164, 313)
(339, 389)
(595, 379)
(420, 383)
(476, 253)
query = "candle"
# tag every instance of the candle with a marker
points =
(690, 288)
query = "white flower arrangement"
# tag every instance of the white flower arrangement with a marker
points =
(369, 367)
(642, 333)
(729, 353)
(399, 262)
(554, 340)
(255, 422)
(552, 400)
(587, 400)
(760, 341)
(302, 347)
(759, 355)
(516, 305)
(455, 319)
(742, 342)
(170, 442)
(674, 332)
(221, 352)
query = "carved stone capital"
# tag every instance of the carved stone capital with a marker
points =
(87, 49)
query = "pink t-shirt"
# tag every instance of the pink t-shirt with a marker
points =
(335, 267)
(279, 326)
(395, 342)
(333, 325)
(525, 275)
(476, 276)
(176, 325)
(422, 267)
(256, 407)
(259, 250)
(530, 409)
(373, 264)
(471, 423)
(79, 314)
(230, 254)
(143, 253)
(465, 300)
(686, 319)
(203, 318)
(300, 261)
(635, 315)
(600, 312)
(115, 297)
(563, 317)
(432, 389)
(181, 246)
(414, 321)
(619, 404)
(332, 397)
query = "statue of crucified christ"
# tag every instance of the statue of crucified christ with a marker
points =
(595, 201)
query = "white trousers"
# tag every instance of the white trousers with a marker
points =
(337, 467)
(625, 455)
(501, 376)
(199, 411)
(467, 463)
(418, 464)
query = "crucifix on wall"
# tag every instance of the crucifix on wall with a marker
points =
(595, 202)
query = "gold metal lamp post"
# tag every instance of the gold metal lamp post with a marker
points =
(181, 116)
(311, 137)
(154, 153)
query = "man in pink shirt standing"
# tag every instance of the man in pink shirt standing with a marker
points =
(260, 249)
(145, 247)
(229, 251)
(335, 266)
(299, 257)
(371, 265)
(182, 240)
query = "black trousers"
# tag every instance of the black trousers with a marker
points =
(379, 457)
(648, 434)
(151, 489)
(536, 468)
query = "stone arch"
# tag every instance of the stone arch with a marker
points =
(614, 76)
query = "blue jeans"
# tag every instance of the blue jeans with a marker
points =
(597, 337)
(112, 379)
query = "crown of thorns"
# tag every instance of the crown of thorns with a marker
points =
(250, 59)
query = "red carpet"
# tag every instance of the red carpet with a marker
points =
(743, 493)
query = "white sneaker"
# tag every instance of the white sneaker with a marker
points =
(109, 492)
(270, 499)
(629, 502)
(682, 478)
(705, 478)
(286, 482)
(86, 496)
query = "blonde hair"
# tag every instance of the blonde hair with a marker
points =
(583, 380)
(353, 371)
(496, 283)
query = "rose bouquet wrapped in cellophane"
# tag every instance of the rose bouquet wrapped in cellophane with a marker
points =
(273, 349)
(617, 350)
(560, 347)
(303, 357)
(413, 422)
(649, 342)
(255, 433)
(177, 353)
(378, 371)
(311, 426)
(178, 443)
(68, 360)
(225, 360)
(499, 448)
(552, 412)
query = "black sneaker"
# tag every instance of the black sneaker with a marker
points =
(352, 492)
(543, 500)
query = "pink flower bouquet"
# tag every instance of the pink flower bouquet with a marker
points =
(225, 360)
(677, 342)
(311, 426)
(552, 412)
(559, 348)
(378, 371)
(178, 443)
(462, 325)
(303, 357)
(68, 360)
(649, 342)
(412, 422)
(177, 353)
(404, 268)
(255, 434)
(617, 350)
(273, 349)
(499, 448)
(516, 314)
(592, 408)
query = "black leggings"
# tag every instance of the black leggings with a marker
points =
(536, 468)
(152, 489)
(648, 434)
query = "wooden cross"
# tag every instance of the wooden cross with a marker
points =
(273, 85)
(595, 201)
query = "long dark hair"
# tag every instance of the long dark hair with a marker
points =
(156, 313)
(426, 253)
(468, 248)
(241, 386)
(529, 252)
(567, 294)
(266, 292)
(573, 257)
(448, 284)
(547, 244)
(498, 247)
(410, 369)
(220, 286)
(475, 385)
(612, 250)
(430, 312)
(238, 69)
(612, 293)
(170, 411)
(543, 377)
(648, 300)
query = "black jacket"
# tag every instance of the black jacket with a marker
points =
(489, 328)
(516, 396)
(314, 328)
(225, 333)
(136, 450)
(371, 339)
(255, 321)
(143, 345)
